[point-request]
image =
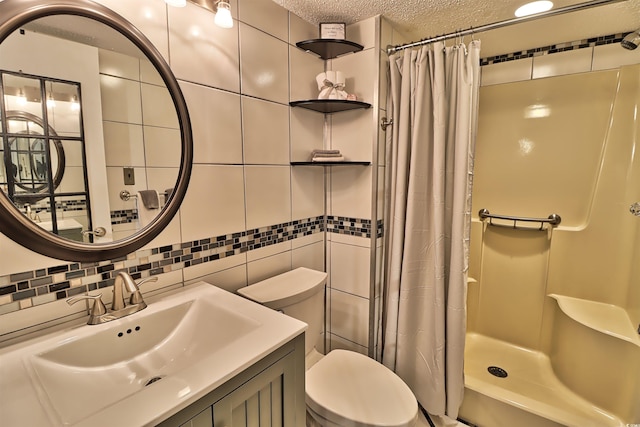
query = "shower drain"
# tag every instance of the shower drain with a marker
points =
(498, 372)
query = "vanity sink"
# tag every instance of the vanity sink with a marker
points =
(173, 352)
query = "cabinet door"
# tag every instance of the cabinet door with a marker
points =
(260, 402)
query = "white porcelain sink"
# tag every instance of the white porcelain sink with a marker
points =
(153, 362)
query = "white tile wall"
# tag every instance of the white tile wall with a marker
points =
(149, 16)
(351, 191)
(268, 267)
(354, 134)
(265, 65)
(603, 57)
(265, 132)
(202, 52)
(309, 256)
(350, 269)
(162, 147)
(230, 279)
(228, 273)
(300, 30)
(307, 129)
(157, 107)
(307, 192)
(118, 65)
(363, 32)
(268, 195)
(574, 61)
(360, 72)
(124, 144)
(613, 56)
(120, 100)
(214, 203)
(216, 123)
(350, 317)
(304, 68)
(266, 16)
(504, 72)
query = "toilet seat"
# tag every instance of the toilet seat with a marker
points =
(351, 389)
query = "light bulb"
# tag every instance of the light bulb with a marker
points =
(22, 99)
(176, 3)
(75, 105)
(51, 103)
(223, 17)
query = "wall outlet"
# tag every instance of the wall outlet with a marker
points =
(129, 176)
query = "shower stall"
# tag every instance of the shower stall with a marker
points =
(554, 309)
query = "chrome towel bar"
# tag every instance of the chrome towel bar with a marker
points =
(553, 219)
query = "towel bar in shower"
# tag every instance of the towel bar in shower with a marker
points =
(553, 219)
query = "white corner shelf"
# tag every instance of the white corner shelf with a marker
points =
(608, 319)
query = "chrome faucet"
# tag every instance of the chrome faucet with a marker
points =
(99, 314)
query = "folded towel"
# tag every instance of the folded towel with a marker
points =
(327, 155)
(150, 199)
(328, 159)
(314, 152)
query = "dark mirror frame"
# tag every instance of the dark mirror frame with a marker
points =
(13, 223)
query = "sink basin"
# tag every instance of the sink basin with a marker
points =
(91, 372)
(144, 366)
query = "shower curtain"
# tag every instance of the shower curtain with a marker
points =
(433, 102)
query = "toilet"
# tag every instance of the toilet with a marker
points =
(343, 388)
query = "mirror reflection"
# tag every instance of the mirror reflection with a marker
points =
(90, 135)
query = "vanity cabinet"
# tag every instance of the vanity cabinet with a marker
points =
(268, 393)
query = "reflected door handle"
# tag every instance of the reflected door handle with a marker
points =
(635, 208)
(98, 232)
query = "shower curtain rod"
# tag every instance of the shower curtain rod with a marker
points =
(500, 24)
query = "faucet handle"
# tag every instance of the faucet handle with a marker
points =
(136, 297)
(148, 279)
(98, 307)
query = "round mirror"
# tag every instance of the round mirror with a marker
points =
(95, 138)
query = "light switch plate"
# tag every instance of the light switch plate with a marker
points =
(129, 176)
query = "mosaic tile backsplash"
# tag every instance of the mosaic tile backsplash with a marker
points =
(30, 288)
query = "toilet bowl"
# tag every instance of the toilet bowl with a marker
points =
(343, 388)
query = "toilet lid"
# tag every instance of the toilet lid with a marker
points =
(349, 388)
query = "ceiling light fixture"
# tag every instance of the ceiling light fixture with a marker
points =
(176, 3)
(533, 8)
(223, 17)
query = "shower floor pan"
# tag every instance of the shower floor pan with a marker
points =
(529, 395)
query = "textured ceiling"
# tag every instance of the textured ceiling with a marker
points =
(418, 19)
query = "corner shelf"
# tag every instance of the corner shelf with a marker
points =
(344, 163)
(328, 106)
(329, 48)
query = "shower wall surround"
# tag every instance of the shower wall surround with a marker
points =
(247, 214)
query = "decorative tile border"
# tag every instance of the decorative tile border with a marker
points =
(23, 290)
(124, 216)
(554, 48)
(352, 226)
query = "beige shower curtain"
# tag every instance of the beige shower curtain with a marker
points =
(433, 102)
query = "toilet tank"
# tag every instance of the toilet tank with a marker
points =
(297, 293)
